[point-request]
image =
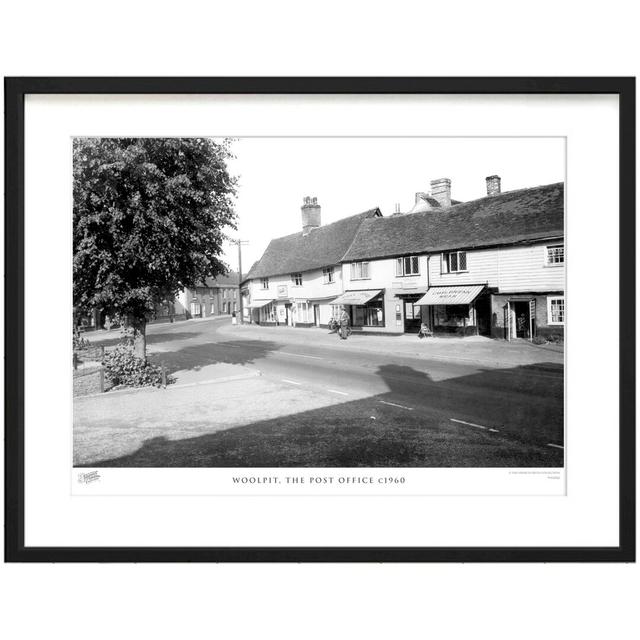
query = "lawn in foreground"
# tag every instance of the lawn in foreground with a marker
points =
(363, 433)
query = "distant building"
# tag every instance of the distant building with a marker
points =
(215, 297)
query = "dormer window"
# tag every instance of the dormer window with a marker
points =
(296, 279)
(265, 283)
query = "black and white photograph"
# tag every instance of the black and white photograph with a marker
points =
(318, 302)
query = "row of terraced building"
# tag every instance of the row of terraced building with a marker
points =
(493, 266)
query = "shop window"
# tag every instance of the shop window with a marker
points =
(296, 278)
(451, 315)
(555, 254)
(556, 310)
(454, 261)
(213, 308)
(235, 294)
(328, 275)
(369, 315)
(409, 266)
(359, 270)
(265, 283)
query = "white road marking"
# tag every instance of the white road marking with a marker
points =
(300, 355)
(557, 446)
(472, 424)
(393, 404)
(291, 381)
(342, 393)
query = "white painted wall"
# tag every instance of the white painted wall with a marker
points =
(382, 275)
(282, 288)
(510, 269)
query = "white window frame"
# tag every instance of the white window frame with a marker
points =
(446, 262)
(548, 262)
(264, 283)
(296, 279)
(328, 273)
(550, 300)
(355, 266)
(401, 266)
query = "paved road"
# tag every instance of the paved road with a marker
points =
(520, 403)
(320, 401)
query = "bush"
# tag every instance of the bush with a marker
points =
(539, 340)
(123, 367)
(78, 341)
(555, 338)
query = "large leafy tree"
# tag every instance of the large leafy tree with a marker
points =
(149, 219)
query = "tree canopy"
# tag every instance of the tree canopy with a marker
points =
(149, 219)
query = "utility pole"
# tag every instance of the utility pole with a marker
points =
(240, 242)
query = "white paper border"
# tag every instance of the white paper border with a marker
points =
(586, 516)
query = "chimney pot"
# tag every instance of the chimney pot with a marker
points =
(493, 185)
(310, 214)
(441, 191)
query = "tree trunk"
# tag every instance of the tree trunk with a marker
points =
(139, 326)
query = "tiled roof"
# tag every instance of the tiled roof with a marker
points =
(506, 218)
(231, 279)
(325, 245)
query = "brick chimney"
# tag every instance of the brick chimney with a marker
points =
(493, 185)
(310, 215)
(441, 191)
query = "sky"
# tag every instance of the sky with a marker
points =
(351, 175)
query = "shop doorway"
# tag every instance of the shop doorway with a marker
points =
(287, 314)
(523, 318)
(316, 315)
(412, 315)
(483, 315)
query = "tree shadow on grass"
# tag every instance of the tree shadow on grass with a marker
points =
(525, 403)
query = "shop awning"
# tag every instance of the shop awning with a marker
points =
(257, 304)
(458, 294)
(357, 297)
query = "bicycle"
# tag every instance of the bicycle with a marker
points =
(344, 330)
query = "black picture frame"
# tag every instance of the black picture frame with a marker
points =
(15, 91)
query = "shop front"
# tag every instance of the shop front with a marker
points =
(459, 309)
(262, 311)
(366, 308)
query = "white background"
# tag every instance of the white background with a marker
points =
(353, 601)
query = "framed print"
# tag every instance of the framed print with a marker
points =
(320, 319)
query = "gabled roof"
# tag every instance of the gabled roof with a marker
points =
(323, 246)
(506, 218)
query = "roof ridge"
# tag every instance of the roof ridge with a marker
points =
(502, 193)
(355, 235)
(329, 224)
